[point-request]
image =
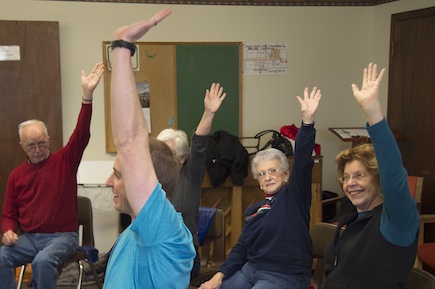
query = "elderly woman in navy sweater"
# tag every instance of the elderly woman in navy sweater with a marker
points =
(274, 249)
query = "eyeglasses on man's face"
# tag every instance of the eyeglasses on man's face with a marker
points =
(271, 172)
(32, 146)
(357, 177)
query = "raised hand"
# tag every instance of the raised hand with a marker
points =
(368, 96)
(309, 104)
(135, 31)
(213, 98)
(370, 87)
(90, 82)
(212, 101)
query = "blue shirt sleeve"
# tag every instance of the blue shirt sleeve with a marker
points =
(158, 222)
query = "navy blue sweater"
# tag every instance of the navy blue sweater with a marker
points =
(279, 240)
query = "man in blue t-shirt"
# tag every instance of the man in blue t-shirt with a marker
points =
(156, 250)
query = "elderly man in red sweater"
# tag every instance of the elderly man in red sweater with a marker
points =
(41, 198)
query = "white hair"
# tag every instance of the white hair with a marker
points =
(22, 125)
(269, 154)
(180, 139)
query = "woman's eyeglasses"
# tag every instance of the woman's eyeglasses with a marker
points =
(357, 177)
(271, 172)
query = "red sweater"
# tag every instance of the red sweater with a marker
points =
(42, 197)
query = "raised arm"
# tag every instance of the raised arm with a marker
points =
(367, 97)
(212, 101)
(309, 105)
(90, 82)
(304, 144)
(129, 128)
(399, 221)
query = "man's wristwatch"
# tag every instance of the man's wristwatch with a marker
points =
(125, 44)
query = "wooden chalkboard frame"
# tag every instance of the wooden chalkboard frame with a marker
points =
(159, 65)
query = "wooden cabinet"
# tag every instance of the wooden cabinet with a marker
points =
(234, 200)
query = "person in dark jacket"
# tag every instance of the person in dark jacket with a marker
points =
(378, 246)
(187, 195)
(274, 249)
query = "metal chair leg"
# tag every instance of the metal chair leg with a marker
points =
(94, 272)
(79, 283)
(21, 277)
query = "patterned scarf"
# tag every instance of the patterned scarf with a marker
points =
(263, 209)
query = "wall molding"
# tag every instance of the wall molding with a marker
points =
(254, 2)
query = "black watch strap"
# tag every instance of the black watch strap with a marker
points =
(125, 44)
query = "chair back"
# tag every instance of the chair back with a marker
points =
(212, 249)
(85, 220)
(321, 234)
(215, 234)
(416, 187)
(420, 279)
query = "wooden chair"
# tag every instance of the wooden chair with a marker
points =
(212, 256)
(416, 187)
(85, 220)
(424, 254)
(321, 234)
(425, 251)
(420, 279)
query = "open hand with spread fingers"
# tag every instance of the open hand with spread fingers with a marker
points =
(309, 104)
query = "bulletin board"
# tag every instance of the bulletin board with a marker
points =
(178, 74)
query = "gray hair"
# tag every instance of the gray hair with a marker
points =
(179, 137)
(269, 154)
(22, 125)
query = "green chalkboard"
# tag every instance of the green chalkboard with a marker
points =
(178, 74)
(198, 66)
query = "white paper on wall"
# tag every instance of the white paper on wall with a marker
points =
(94, 172)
